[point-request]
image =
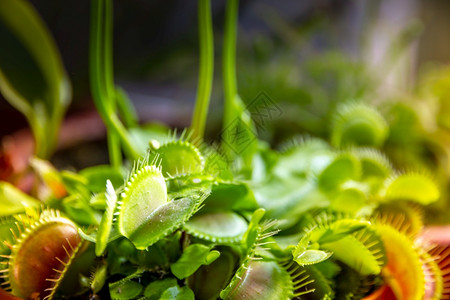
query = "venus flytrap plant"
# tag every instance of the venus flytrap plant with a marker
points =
(41, 254)
(313, 220)
(146, 212)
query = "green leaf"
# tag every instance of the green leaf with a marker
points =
(125, 290)
(178, 293)
(350, 201)
(44, 93)
(96, 177)
(192, 258)
(219, 227)
(164, 220)
(145, 191)
(288, 199)
(104, 228)
(14, 201)
(342, 168)
(302, 157)
(230, 196)
(77, 208)
(155, 289)
(412, 187)
(251, 235)
(223, 269)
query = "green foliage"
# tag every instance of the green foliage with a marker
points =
(124, 290)
(219, 227)
(192, 258)
(313, 220)
(154, 290)
(178, 293)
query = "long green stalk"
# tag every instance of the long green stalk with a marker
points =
(115, 155)
(229, 65)
(101, 78)
(206, 69)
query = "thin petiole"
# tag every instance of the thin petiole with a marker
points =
(229, 64)
(206, 69)
(101, 78)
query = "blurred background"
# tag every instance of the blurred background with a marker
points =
(311, 53)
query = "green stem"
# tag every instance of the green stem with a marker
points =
(229, 61)
(39, 134)
(101, 75)
(206, 69)
(107, 56)
(115, 155)
(126, 108)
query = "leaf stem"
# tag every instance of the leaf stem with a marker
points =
(229, 56)
(101, 77)
(206, 72)
(115, 156)
(229, 66)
